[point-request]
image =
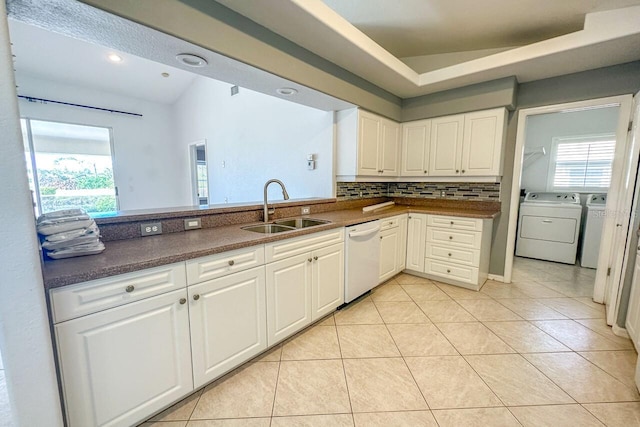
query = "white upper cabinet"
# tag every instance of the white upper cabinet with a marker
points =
(482, 143)
(446, 145)
(367, 144)
(416, 145)
(461, 145)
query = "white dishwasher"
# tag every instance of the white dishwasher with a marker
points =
(362, 266)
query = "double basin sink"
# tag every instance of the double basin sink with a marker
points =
(285, 225)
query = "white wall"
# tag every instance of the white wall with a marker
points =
(542, 128)
(258, 137)
(25, 341)
(150, 169)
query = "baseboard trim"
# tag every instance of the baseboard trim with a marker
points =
(496, 278)
(621, 332)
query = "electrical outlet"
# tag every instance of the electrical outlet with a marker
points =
(306, 210)
(443, 193)
(150, 228)
(192, 224)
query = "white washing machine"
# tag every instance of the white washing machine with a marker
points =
(592, 230)
(549, 226)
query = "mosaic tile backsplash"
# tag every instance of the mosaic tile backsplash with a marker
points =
(428, 190)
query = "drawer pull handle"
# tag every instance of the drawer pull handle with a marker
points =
(232, 262)
(309, 259)
(315, 258)
(183, 301)
(129, 288)
(450, 237)
(196, 297)
(448, 271)
(449, 254)
(547, 221)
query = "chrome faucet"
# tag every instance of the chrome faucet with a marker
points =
(284, 193)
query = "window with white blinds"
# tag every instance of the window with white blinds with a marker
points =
(581, 164)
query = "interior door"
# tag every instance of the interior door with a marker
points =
(611, 274)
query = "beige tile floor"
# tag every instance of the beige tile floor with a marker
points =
(421, 353)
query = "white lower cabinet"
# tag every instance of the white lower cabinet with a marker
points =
(452, 249)
(303, 287)
(120, 365)
(228, 323)
(416, 235)
(288, 296)
(393, 246)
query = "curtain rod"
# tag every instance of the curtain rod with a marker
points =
(44, 101)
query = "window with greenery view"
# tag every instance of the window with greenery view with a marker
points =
(69, 166)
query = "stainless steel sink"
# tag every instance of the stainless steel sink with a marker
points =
(301, 222)
(268, 228)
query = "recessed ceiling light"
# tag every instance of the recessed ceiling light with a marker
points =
(114, 57)
(286, 91)
(191, 60)
(165, 74)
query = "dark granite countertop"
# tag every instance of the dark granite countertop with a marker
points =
(123, 256)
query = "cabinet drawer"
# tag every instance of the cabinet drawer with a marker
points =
(455, 222)
(468, 257)
(389, 223)
(454, 238)
(218, 265)
(287, 248)
(452, 271)
(78, 300)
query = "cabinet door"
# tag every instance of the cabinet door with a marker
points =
(389, 148)
(228, 323)
(401, 254)
(633, 314)
(416, 241)
(446, 146)
(416, 140)
(121, 365)
(389, 246)
(368, 142)
(328, 280)
(288, 296)
(482, 143)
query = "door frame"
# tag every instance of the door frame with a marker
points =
(618, 169)
(193, 168)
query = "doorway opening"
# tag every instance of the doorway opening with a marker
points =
(571, 168)
(199, 172)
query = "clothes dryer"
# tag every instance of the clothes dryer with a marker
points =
(549, 226)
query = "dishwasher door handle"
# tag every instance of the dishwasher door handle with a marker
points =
(364, 233)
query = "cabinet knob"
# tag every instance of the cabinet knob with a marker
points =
(381, 239)
(231, 262)
(425, 171)
(451, 222)
(449, 253)
(183, 301)
(457, 171)
(129, 288)
(462, 170)
(196, 297)
(450, 237)
(309, 260)
(448, 271)
(315, 258)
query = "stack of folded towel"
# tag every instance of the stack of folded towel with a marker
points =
(69, 233)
